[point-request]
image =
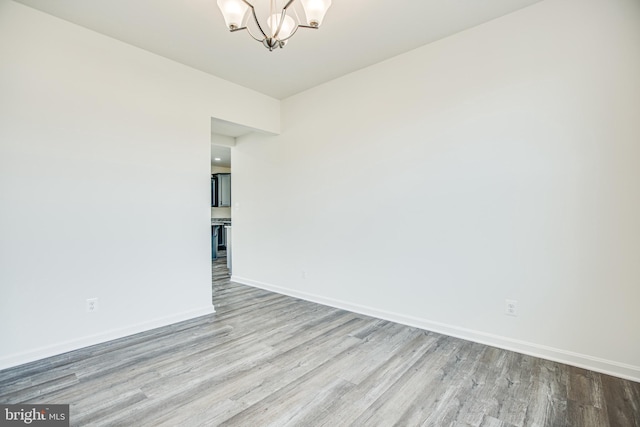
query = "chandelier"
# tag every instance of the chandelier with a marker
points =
(272, 22)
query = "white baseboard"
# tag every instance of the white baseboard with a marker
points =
(75, 344)
(592, 363)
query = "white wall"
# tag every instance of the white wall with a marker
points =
(104, 184)
(508, 155)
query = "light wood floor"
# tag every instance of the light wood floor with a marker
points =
(269, 360)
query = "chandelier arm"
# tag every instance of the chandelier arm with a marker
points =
(295, 12)
(250, 33)
(288, 4)
(255, 18)
(282, 15)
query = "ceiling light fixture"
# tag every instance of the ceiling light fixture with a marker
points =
(272, 24)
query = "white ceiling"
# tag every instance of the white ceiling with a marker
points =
(223, 127)
(222, 153)
(354, 35)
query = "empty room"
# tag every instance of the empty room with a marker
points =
(320, 213)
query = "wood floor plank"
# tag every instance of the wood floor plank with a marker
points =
(292, 367)
(585, 387)
(36, 391)
(248, 387)
(379, 342)
(586, 415)
(488, 421)
(267, 359)
(454, 388)
(379, 380)
(622, 402)
(391, 406)
(102, 406)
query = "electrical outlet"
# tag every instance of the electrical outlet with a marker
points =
(304, 274)
(92, 305)
(510, 307)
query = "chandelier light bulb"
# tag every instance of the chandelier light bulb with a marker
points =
(233, 12)
(315, 11)
(287, 26)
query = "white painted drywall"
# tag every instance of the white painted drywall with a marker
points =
(104, 184)
(499, 163)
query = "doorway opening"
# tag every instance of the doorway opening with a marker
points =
(223, 140)
(221, 218)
